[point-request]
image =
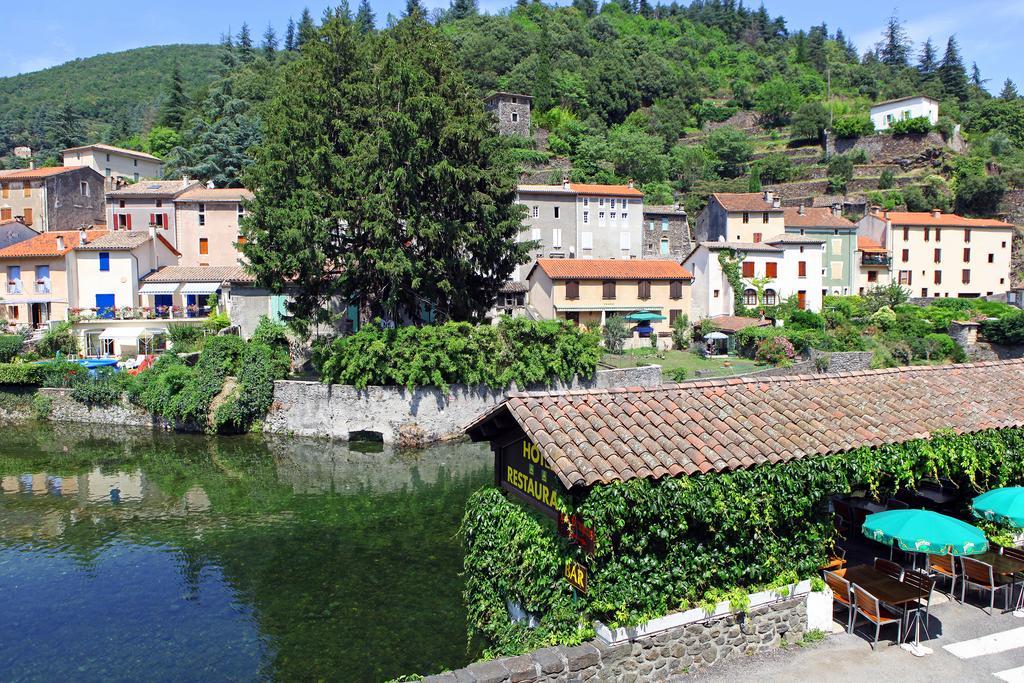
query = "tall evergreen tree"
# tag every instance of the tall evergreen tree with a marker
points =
(645, 9)
(587, 8)
(800, 47)
(246, 53)
(414, 7)
(64, 127)
(894, 50)
(848, 48)
(927, 62)
(269, 45)
(543, 83)
(462, 9)
(343, 12)
(172, 113)
(289, 36)
(365, 18)
(976, 80)
(306, 29)
(228, 60)
(952, 73)
(817, 56)
(1009, 91)
(416, 206)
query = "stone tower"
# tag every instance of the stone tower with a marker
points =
(512, 111)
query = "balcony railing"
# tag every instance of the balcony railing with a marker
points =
(876, 260)
(42, 288)
(14, 287)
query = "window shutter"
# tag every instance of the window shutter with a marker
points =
(675, 289)
(167, 223)
(129, 221)
(28, 216)
(644, 289)
(801, 269)
(748, 269)
(609, 289)
(152, 219)
(771, 270)
(572, 290)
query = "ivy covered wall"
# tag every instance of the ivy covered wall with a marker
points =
(676, 543)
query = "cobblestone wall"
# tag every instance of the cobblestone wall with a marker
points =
(675, 651)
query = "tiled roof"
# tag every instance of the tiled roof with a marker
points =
(868, 244)
(512, 288)
(115, 150)
(617, 190)
(507, 94)
(740, 246)
(45, 244)
(33, 173)
(122, 240)
(152, 188)
(791, 238)
(744, 201)
(735, 323)
(222, 194)
(200, 274)
(903, 99)
(601, 436)
(611, 269)
(943, 219)
(665, 209)
(814, 217)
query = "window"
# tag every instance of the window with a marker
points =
(764, 217)
(1004, 245)
(991, 258)
(27, 218)
(716, 293)
(801, 299)
(556, 212)
(905, 255)
(904, 277)
(927, 234)
(204, 246)
(613, 202)
(515, 117)
(872, 276)
(938, 234)
(83, 187)
(770, 299)
(673, 315)
(123, 221)
(5, 213)
(572, 290)
(536, 212)
(556, 238)
(586, 240)
(664, 246)
(104, 261)
(135, 162)
(624, 241)
(108, 158)
(643, 289)
(612, 215)
(586, 216)
(757, 237)
(906, 233)
(241, 240)
(624, 216)
(965, 276)
(27, 188)
(535, 234)
(5, 191)
(202, 214)
(120, 204)
(106, 172)
(967, 235)
(664, 226)
(586, 201)
(967, 254)
(938, 277)
(771, 269)
(600, 201)
(748, 269)
(746, 217)
(749, 297)
(938, 256)
(801, 269)
(159, 203)
(608, 289)
(600, 217)
(924, 292)
(12, 312)
(675, 289)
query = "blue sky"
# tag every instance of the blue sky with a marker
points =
(42, 34)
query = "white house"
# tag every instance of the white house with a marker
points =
(115, 162)
(791, 264)
(884, 114)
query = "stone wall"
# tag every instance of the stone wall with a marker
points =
(67, 409)
(406, 417)
(654, 658)
(908, 151)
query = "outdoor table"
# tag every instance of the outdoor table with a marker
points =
(886, 589)
(868, 505)
(1005, 566)
(936, 496)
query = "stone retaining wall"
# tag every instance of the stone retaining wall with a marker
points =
(67, 409)
(675, 651)
(407, 417)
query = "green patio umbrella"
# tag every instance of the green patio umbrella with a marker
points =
(644, 316)
(1005, 505)
(924, 531)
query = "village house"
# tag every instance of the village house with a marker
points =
(782, 266)
(52, 198)
(148, 204)
(207, 223)
(885, 114)
(12, 232)
(589, 291)
(577, 220)
(873, 262)
(943, 255)
(839, 235)
(511, 111)
(666, 232)
(37, 282)
(115, 162)
(740, 217)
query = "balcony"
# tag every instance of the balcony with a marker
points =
(42, 287)
(875, 259)
(14, 287)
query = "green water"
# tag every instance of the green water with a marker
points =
(144, 556)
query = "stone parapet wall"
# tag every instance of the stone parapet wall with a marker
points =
(653, 658)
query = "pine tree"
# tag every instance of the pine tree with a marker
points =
(172, 113)
(228, 61)
(306, 29)
(645, 9)
(894, 50)
(64, 127)
(542, 78)
(269, 45)
(343, 12)
(927, 62)
(462, 9)
(405, 244)
(976, 80)
(800, 47)
(816, 53)
(365, 18)
(587, 8)
(246, 53)
(849, 51)
(1009, 90)
(952, 73)
(414, 7)
(289, 36)
(754, 182)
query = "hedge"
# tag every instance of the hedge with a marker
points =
(10, 346)
(678, 543)
(21, 373)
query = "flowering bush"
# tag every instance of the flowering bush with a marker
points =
(774, 350)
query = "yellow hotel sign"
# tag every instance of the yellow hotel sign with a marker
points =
(522, 471)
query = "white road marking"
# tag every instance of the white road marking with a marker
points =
(988, 645)
(1011, 675)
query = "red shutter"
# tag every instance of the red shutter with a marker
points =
(152, 219)
(129, 221)
(167, 223)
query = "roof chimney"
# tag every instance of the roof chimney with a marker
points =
(631, 183)
(82, 238)
(776, 202)
(801, 210)
(936, 213)
(768, 196)
(60, 242)
(209, 185)
(185, 181)
(837, 209)
(565, 181)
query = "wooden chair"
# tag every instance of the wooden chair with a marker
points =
(867, 605)
(979, 575)
(841, 593)
(943, 565)
(836, 559)
(889, 568)
(1015, 553)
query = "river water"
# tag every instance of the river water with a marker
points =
(150, 556)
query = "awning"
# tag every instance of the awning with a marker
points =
(598, 308)
(200, 288)
(31, 300)
(123, 334)
(159, 288)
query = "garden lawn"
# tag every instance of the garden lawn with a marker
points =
(670, 360)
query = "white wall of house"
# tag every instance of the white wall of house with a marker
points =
(114, 165)
(615, 226)
(887, 113)
(136, 214)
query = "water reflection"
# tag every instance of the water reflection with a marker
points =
(234, 558)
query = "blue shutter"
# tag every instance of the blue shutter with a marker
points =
(104, 261)
(105, 305)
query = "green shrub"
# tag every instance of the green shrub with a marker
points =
(42, 407)
(58, 339)
(678, 374)
(10, 346)
(217, 322)
(183, 337)
(21, 374)
(853, 126)
(806, 320)
(886, 180)
(775, 350)
(681, 333)
(274, 335)
(251, 400)
(840, 173)
(1006, 330)
(916, 125)
(105, 388)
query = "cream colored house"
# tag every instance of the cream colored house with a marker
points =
(115, 162)
(148, 204)
(207, 223)
(873, 263)
(52, 198)
(588, 291)
(740, 217)
(943, 255)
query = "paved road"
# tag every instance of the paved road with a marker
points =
(968, 644)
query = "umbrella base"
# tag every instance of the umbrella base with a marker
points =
(917, 649)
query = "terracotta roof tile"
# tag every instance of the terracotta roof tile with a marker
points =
(612, 269)
(868, 244)
(200, 274)
(45, 244)
(600, 436)
(33, 173)
(943, 219)
(813, 217)
(744, 201)
(218, 194)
